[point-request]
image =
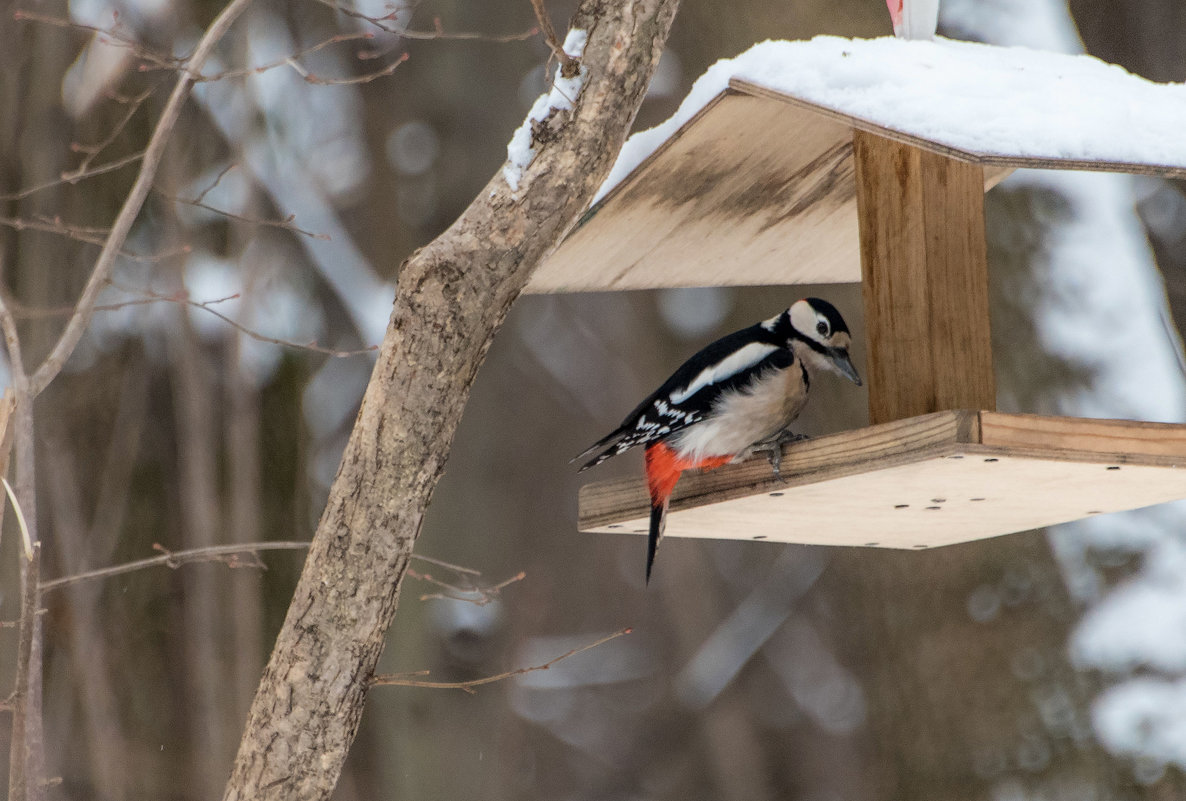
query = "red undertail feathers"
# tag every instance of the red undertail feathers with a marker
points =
(664, 467)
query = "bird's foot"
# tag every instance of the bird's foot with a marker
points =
(772, 448)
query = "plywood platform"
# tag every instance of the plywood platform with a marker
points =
(926, 481)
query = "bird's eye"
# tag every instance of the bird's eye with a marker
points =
(822, 328)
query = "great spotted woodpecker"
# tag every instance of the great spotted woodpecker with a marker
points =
(735, 397)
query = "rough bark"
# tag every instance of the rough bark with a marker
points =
(453, 296)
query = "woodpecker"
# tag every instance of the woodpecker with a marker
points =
(736, 397)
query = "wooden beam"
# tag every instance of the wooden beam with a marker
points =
(925, 280)
(933, 480)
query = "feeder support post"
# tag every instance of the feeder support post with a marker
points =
(924, 270)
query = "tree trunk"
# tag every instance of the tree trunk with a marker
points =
(453, 296)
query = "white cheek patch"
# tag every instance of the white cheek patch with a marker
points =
(804, 318)
(743, 359)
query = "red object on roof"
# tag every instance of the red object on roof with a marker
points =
(914, 19)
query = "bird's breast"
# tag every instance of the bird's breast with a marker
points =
(741, 418)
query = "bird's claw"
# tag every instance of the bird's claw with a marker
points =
(773, 450)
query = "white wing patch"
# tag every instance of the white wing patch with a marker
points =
(743, 359)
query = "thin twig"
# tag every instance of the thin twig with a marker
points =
(174, 559)
(27, 758)
(29, 313)
(468, 589)
(20, 519)
(205, 306)
(438, 31)
(12, 344)
(72, 334)
(109, 36)
(212, 553)
(313, 346)
(479, 596)
(310, 77)
(285, 224)
(74, 176)
(217, 180)
(447, 565)
(90, 235)
(284, 61)
(23, 718)
(569, 66)
(403, 680)
(91, 151)
(19, 418)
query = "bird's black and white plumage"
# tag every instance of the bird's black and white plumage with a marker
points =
(740, 392)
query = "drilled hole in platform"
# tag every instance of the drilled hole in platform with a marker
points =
(872, 544)
(614, 525)
(975, 499)
(1114, 467)
(901, 506)
(777, 494)
(994, 459)
(933, 508)
(759, 536)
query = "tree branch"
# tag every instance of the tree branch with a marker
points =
(438, 31)
(175, 559)
(227, 554)
(74, 176)
(27, 758)
(130, 210)
(568, 64)
(453, 296)
(406, 680)
(24, 783)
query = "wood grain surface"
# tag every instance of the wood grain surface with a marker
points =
(748, 192)
(925, 285)
(932, 480)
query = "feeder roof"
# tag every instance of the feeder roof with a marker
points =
(752, 180)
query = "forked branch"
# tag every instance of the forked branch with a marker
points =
(70, 336)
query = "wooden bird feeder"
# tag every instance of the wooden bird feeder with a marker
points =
(763, 187)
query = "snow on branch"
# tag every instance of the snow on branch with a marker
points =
(549, 106)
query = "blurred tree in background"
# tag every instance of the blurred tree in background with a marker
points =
(849, 676)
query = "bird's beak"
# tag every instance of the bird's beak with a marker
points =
(843, 363)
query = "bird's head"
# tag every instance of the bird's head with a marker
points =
(820, 337)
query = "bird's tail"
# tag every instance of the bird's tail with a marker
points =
(664, 467)
(658, 523)
(663, 472)
(607, 445)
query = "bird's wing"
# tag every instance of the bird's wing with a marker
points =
(689, 394)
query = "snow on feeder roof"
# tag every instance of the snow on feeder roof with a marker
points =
(752, 180)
